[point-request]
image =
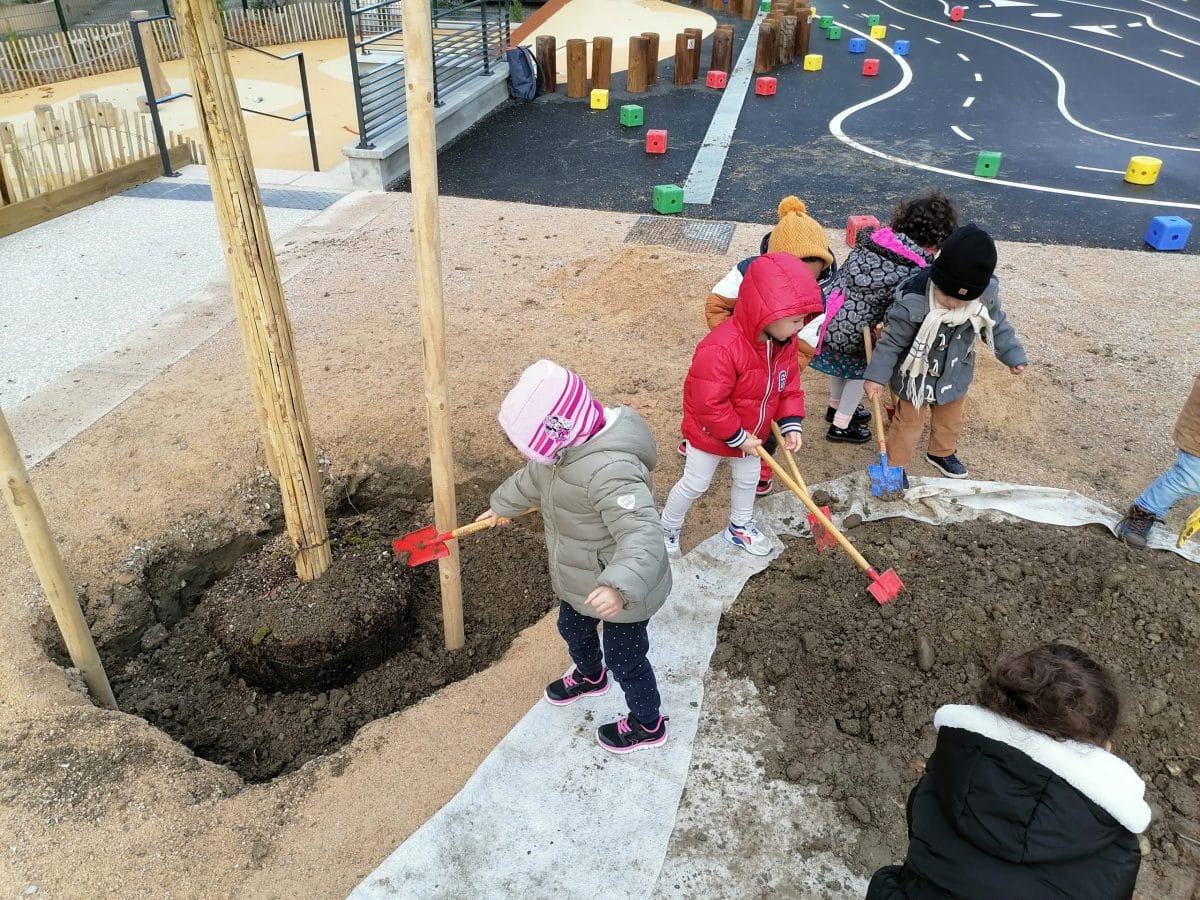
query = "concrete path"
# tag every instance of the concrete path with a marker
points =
(99, 301)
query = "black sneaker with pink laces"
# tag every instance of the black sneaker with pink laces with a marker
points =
(573, 685)
(628, 734)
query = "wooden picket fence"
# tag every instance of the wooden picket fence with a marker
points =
(74, 143)
(92, 49)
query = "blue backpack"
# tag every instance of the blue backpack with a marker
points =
(522, 73)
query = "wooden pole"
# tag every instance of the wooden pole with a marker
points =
(787, 39)
(802, 34)
(695, 40)
(749, 9)
(651, 57)
(680, 75)
(635, 74)
(602, 62)
(47, 563)
(547, 62)
(722, 49)
(158, 80)
(765, 53)
(255, 283)
(577, 68)
(422, 144)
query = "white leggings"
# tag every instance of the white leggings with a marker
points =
(698, 474)
(845, 394)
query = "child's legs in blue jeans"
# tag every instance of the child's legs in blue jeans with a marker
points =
(1179, 481)
(625, 648)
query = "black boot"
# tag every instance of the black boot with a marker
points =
(1134, 529)
(860, 417)
(857, 433)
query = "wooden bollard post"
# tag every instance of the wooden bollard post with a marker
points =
(47, 562)
(577, 68)
(722, 49)
(802, 33)
(158, 81)
(765, 53)
(787, 40)
(635, 73)
(546, 51)
(749, 9)
(716, 5)
(255, 283)
(602, 62)
(680, 75)
(694, 46)
(651, 56)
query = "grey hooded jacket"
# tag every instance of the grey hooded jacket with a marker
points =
(601, 524)
(952, 358)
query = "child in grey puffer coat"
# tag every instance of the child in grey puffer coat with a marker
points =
(927, 352)
(589, 473)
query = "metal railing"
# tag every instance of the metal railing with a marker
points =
(468, 38)
(153, 102)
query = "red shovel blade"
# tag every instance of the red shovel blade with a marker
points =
(422, 546)
(821, 536)
(885, 587)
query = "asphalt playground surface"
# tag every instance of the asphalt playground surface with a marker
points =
(1066, 90)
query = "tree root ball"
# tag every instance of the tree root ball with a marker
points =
(283, 635)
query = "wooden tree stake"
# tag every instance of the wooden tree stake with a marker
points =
(422, 137)
(47, 563)
(255, 283)
(158, 80)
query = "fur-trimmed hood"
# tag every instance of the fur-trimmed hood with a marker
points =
(1101, 777)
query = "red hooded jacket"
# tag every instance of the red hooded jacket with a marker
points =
(737, 384)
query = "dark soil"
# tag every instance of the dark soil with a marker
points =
(853, 685)
(183, 681)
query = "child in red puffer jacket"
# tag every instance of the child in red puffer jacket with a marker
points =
(744, 373)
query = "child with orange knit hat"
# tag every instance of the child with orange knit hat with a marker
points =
(803, 237)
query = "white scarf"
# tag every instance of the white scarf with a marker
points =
(915, 370)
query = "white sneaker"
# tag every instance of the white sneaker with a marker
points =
(671, 539)
(749, 538)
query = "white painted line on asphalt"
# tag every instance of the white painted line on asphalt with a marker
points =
(933, 40)
(968, 102)
(1061, 82)
(1172, 53)
(892, 26)
(706, 169)
(1094, 169)
(964, 57)
(1134, 25)
(1149, 22)
(1097, 29)
(979, 76)
(1046, 15)
(962, 134)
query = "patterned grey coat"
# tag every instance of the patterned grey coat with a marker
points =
(601, 524)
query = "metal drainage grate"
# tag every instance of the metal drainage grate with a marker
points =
(693, 235)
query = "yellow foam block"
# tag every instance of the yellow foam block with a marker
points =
(599, 98)
(812, 62)
(878, 32)
(1143, 169)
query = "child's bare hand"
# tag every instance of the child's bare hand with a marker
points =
(1017, 370)
(793, 440)
(606, 601)
(749, 445)
(488, 514)
(872, 389)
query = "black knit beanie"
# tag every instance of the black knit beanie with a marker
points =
(965, 264)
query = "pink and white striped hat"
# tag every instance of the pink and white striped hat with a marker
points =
(549, 410)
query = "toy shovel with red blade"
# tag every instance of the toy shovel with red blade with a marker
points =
(427, 544)
(884, 586)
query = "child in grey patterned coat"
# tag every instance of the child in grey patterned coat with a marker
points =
(860, 294)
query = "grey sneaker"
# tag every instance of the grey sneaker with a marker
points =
(1134, 529)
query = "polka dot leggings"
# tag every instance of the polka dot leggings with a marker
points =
(625, 647)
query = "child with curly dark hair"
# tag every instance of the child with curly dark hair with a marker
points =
(1022, 796)
(860, 294)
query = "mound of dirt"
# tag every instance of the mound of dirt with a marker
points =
(371, 626)
(853, 685)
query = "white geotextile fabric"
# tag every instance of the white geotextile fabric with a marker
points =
(551, 814)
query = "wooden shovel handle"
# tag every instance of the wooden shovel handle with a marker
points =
(880, 427)
(815, 510)
(473, 527)
(788, 455)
